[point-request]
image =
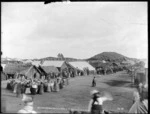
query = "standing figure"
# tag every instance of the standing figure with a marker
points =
(96, 103)
(41, 89)
(55, 85)
(94, 82)
(48, 86)
(18, 89)
(52, 85)
(33, 88)
(28, 105)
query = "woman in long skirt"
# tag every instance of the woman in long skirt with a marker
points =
(52, 85)
(18, 92)
(45, 86)
(41, 91)
(55, 85)
(15, 88)
(23, 88)
(49, 87)
(33, 89)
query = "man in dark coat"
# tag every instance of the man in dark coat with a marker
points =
(94, 82)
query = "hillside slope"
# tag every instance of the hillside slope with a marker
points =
(108, 56)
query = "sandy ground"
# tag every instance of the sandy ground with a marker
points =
(77, 94)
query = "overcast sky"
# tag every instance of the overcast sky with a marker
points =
(79, 29)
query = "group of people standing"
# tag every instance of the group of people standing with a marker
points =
(36, 86)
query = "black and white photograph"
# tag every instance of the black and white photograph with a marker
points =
(68, 57)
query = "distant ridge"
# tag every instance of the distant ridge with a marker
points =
(109, 56)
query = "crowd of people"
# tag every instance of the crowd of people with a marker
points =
(36, 86)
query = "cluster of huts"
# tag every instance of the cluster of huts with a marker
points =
(49, 69)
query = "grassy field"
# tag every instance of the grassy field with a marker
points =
(77, 94)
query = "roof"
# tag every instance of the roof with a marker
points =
(129, 62)
(53, 63)
(81, 65)
(15, 68)
(27, 61)
(50, 69)
(36, 63)
(29, 70)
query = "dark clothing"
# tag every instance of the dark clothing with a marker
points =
(93, 83)
(33, 91)
(41, 89)
(45, 87)
(18, 89)
(96, 109)
(23, 89)
(60, 85)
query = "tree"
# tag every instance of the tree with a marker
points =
(60, 55)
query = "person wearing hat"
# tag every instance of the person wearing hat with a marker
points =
(96, 103)
(28, 105)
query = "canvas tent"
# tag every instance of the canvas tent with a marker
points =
(81, 65)
(36, 63)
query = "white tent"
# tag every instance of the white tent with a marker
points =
(36, 63)
(81, 65)
(53, 63)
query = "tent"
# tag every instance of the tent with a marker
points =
(36, 63)
(81, 65)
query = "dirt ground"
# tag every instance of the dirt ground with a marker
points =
(77, 94)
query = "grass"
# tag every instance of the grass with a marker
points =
(77, 94)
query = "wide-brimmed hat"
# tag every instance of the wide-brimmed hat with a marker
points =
(94, 92)
(27, 98)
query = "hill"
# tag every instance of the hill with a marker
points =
(109, 56)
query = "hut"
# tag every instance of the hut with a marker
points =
(31, 73)
(51, 71)
(60, 65)
(12, 69)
